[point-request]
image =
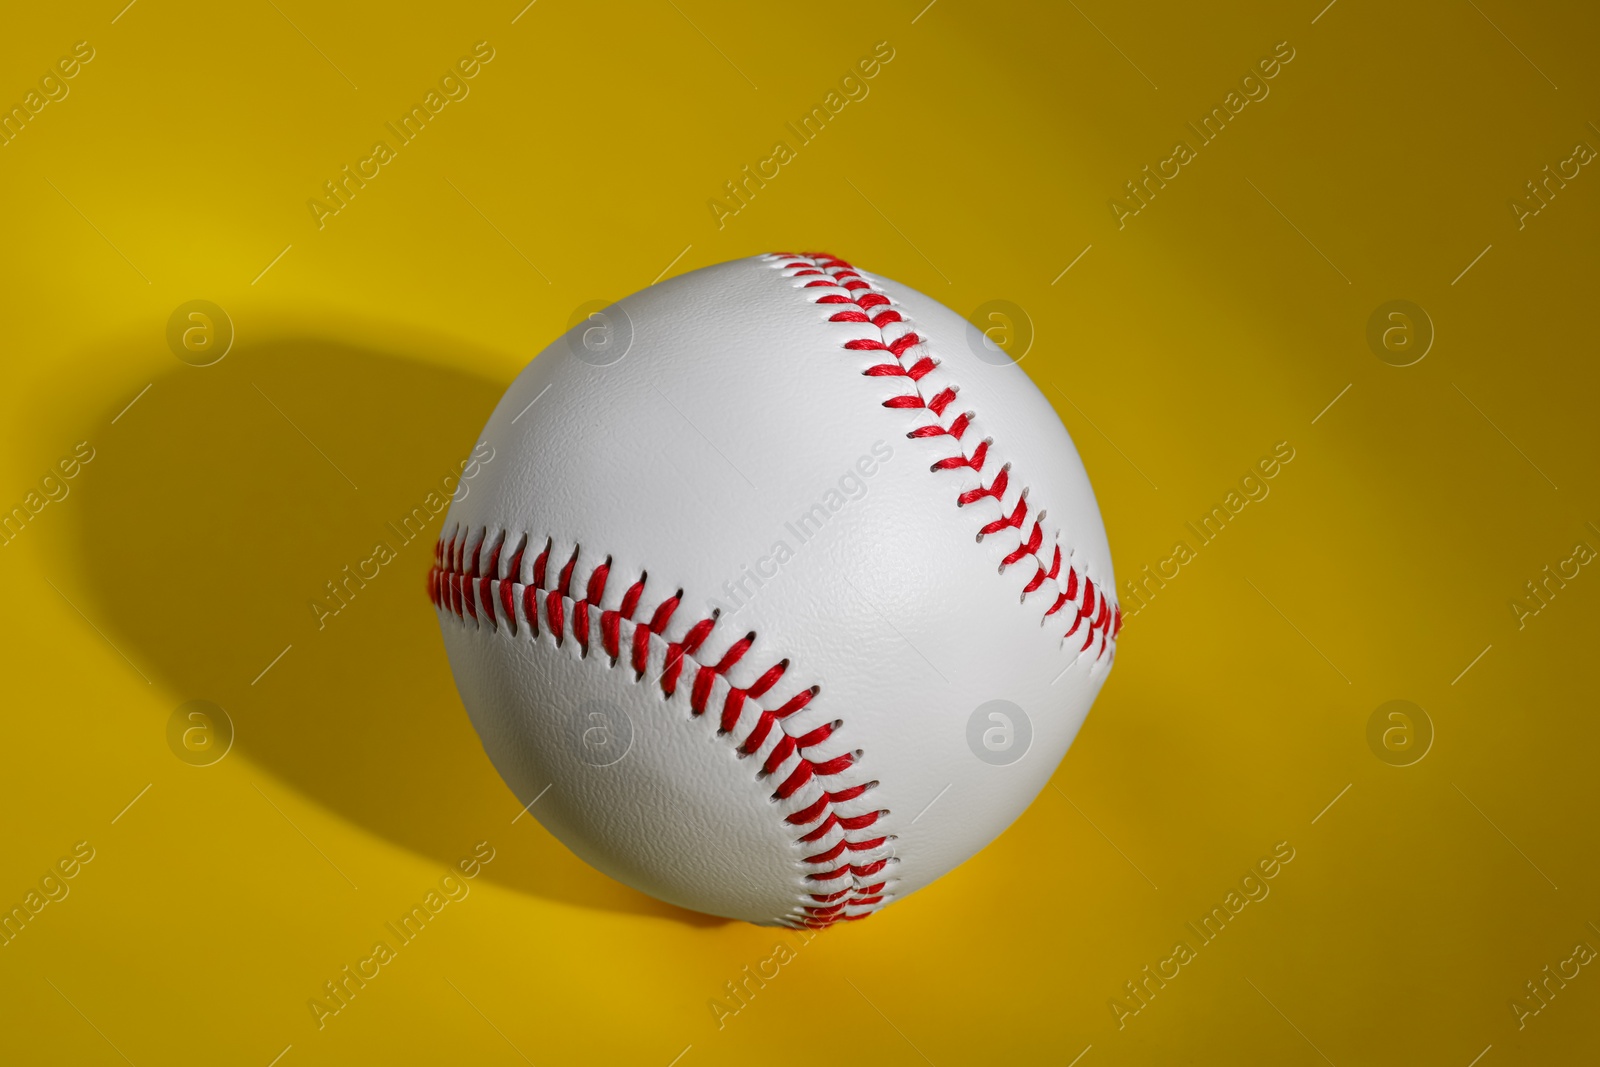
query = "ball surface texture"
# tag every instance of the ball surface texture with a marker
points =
(775, 593)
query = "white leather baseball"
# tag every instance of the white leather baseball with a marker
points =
(725, 610)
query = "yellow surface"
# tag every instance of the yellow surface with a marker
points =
(1180, 349)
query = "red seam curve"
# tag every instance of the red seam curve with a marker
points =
(487, 597)
(863, 302)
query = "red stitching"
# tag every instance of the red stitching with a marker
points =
(498, 598)
(903, 344)
(457, 586)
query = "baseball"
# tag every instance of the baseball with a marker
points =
(781, 595)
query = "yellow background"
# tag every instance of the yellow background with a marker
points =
(1222, 319)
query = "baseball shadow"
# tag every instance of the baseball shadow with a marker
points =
(215, 510)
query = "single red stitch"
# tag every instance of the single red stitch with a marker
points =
(486, 598)
(492, 570)
(779, 755)
(814, 811)
(769, 679)
(514, 568)
(540, 562)
(943, 399)
(697, 634)
(630, 599)
(566, 572)
(852, 792)
(732, 707)
(466, 579)
(700, 691)
(641, 650)
(506, 588)
(835, 766)
(530, 607)
(829, 856)
(611, 633)
(663, 613)
(674, 667)
(553, 613)
(815, 737)
(996, 489)
(801, 775)
(827, 824)
(447, 583)
(796, 702)
(597, 582)
(763, 727)
(580, 624)
(735, 652)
